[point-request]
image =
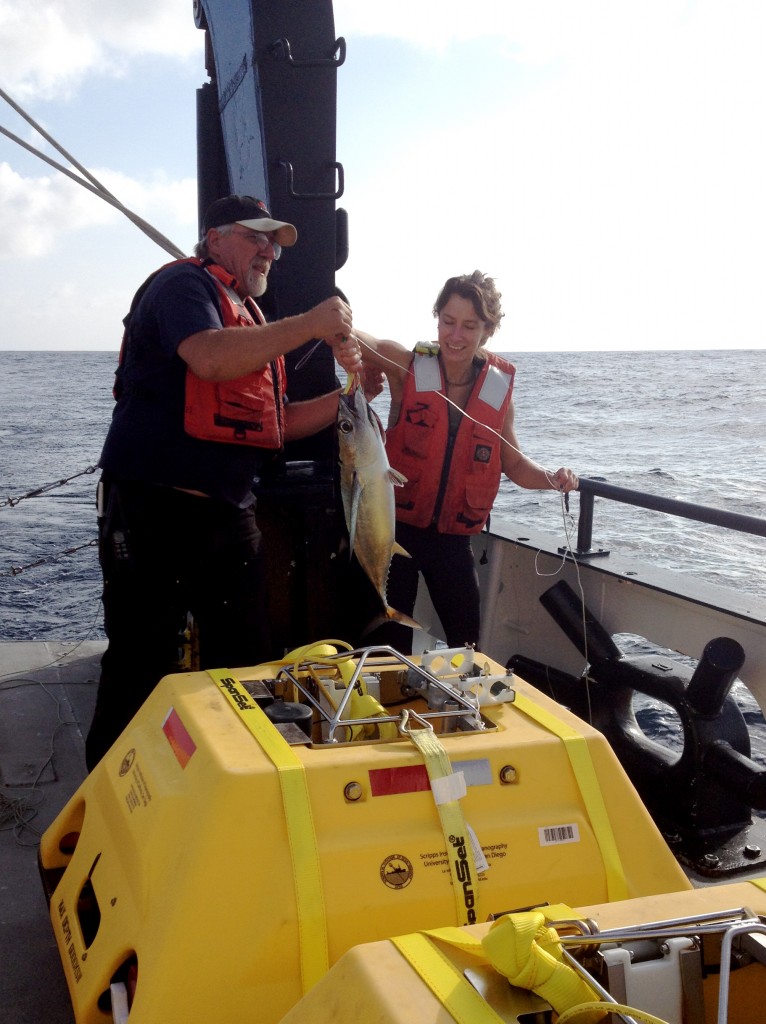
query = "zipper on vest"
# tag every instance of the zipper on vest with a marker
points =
(451, 438)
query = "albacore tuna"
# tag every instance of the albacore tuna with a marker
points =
(367, 487)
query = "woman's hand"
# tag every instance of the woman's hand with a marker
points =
(372, 381)
(565, 480)
(347, 352)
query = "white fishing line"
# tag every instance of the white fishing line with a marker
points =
(568, 519)
(549, 473)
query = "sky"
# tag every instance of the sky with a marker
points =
(603, 160)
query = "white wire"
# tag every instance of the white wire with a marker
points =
(549, 473)
(567, 519)
(88, 181)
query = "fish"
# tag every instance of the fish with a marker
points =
(367, 484)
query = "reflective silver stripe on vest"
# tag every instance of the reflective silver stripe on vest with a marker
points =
(495, 387)
(427, 374)
(496, 384)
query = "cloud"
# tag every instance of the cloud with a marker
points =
(537, 32)
(48, 48)
(41, 214)
(35, 210)
(588, 33)
(608, 153)
(617, 196)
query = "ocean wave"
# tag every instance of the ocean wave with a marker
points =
(656, 422)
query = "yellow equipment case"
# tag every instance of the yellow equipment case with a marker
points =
(218, 864)
(383, 981)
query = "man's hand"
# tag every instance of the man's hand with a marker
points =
(331, 319)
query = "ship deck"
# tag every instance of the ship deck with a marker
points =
(48, 691)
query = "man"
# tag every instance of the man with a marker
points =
(200, 411)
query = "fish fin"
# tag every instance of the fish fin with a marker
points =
(377, 424)
(356, 493)
(389, 615)
(378, 620)
(397, 549)
(397, 479)
(393, 615)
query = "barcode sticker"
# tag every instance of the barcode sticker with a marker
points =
(553, 835)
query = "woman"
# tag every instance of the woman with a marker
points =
(451, 434)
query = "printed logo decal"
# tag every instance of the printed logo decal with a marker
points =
(396, 871)
(127, 762)
(482, 453)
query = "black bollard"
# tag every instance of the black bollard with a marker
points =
(714, 675)
(583, 629)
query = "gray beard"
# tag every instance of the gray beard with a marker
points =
(256, 285)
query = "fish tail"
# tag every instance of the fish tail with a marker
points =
(389, 615)
(405, 620)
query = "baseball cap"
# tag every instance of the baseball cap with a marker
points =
(250, 213)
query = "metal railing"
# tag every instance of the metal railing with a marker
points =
(590, 488)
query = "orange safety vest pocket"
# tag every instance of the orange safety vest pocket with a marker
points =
(479, 497)
(404, 496)
(239, 408)
(235, 412)
(417, 424)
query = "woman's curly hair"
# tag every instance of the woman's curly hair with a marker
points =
(481, 291)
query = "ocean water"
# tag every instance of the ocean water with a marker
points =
(687, 425)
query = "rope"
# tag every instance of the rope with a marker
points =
(13, 502)
(16, 570)
(595, 1010)
(88, 181)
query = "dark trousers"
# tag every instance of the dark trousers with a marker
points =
(447, 565)
(164, 554)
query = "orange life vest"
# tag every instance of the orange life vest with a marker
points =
(452, 482)
(246, 410)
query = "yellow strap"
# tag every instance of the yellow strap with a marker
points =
(556, 982)
(577, 750)
(462, 864)
(312, 921)
(594, 1011)
(362, 704)
(526, 951)
(521, 947)
(456, 995)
